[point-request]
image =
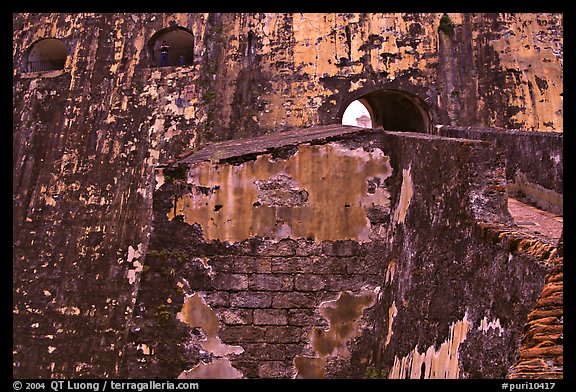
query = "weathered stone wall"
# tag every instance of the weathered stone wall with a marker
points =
(282, 276)
(424, 292)
(534, 161)
(456, 265)
(86, 139)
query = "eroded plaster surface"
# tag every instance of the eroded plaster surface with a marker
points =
(218, 368)
(288, 198)
(442, 362)
(406, 193)
(196, 313)
(433, 363)
(343, 315)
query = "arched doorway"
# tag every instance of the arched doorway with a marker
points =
(396, 110)
(172, 46)
(357, 114)
(47, 54)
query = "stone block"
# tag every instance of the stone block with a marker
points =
(309, 282)
(270, 351)
(342, 248)
(251, 265)
(293, 300)
(236, 316)
(248, 368)
(329, 265)
(276, 369)
(308, 248)
(221, 264)
(238, 334)
(270, 317)
(270, 282)
(364, 265)
(292, 265)
(285, 334)
(216, 298)
(306, 317)
(230, 282)
(346, 282)
(251, 299)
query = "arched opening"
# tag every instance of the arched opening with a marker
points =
(357, 114)
(172, 46)
(47, 54)
(396, 110)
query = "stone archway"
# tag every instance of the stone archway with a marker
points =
(396, 110)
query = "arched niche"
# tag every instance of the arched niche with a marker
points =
(180, 47)
(47, 54)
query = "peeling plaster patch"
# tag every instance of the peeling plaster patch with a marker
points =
(390, 270)
(485, 325)
(145, 349)
(309, 368)
(134, 254)
(342, 315)
(392, 312)
(294, 197)
(196, 313)
(442, 363)
(159, 178)
(153, 157)
(521, 51)
(50, 200)
(406, 194)
(220, 368)
(131, 275)
(70, 310)
(204, 262)
(356, 85)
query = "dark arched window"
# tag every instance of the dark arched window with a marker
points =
(172, 46)
(47, 54)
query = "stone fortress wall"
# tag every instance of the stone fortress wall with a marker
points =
(91, 222)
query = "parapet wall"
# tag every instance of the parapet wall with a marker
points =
(340, 254)
(534, 161)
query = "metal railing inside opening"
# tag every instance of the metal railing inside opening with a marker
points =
(46, 65)
(173, 57)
